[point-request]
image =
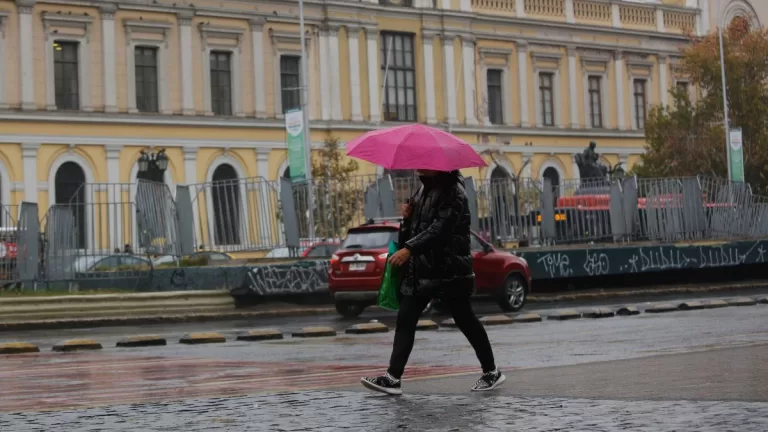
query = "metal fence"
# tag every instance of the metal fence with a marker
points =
(119, 231)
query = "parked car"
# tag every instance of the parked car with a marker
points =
(284, 252)
(100, 263)
(209, 256)
(320, 249)
(358, 266)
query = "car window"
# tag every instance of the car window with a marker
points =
(106, 263)
(475, 243)
(369, 239)
(132, 261)
(218, 257)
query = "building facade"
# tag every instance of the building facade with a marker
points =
(86, 86)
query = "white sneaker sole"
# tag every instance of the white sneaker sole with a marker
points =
(499, 382)
(374, 387)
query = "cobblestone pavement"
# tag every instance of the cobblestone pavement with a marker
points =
(332, 411)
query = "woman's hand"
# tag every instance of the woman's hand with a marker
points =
(400, 257)
(406, 210)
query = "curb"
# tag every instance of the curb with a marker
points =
(426, 325)
(77, 345)
(692, 305)
(628, 311)
(141, 341)
(496, 320)
(564, 314)
(741, 301)
(662, 308)
(598, 313)
(366, 328)
(308, 332)
(527, 318)
(18, 348)
(202, 338)
(449, 323)
(714, 304)
(260, 335)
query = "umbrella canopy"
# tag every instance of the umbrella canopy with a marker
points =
(414, 146)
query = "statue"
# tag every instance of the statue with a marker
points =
(589, 164)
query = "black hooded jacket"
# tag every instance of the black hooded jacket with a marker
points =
(437, 234)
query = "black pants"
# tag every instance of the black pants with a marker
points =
(461, 310)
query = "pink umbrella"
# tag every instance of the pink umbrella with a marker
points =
(414, 146)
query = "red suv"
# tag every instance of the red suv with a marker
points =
(358, 266)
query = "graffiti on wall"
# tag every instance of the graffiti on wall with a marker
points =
(628, 260)
(302, 277)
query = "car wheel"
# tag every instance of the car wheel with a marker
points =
(349, 310)
(513, 294)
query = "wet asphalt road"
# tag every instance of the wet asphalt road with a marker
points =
(680, 371)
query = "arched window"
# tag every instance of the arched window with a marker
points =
(226, 205)
(554, 177)
(70, 190)
(502, 199)
(287, 173)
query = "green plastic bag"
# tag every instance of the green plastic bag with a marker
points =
(390, 283)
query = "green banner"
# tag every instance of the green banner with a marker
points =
(737, 155)
(294, 127)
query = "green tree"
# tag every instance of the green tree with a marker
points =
(339, 198)
(687, 137)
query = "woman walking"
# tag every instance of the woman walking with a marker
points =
(434, 251)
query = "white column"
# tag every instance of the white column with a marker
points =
(449, 76)
(325, 75)
(702, 19)
(3, 70)
(615, 15)
(190, 178)
(520, 8)
(465, 5)
(522, 79)
(114, 192)
(468, 62)
(572, 87)
(259, 84)
(29, 161)
(27, 54)
(663, 84)
(333, 50)
(445, 4)
(185, 46)
(660, 20)
(569, 14)
(374, 92)
(108, 49)
(354, 72)
(429, 72)
(618, 63)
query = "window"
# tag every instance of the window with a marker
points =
(221, 83)
(66, 79)
(595, 101)
(400, 83)
(546, 91)
(495, 96)
(474, 243)
(226, 205)
(369, 238)
(289, 82)
(640, 103)
(145, 60)
(683, 86)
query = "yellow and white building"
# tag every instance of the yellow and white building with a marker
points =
(86, 85)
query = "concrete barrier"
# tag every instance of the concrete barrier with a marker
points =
(762, 300)
(628, 311)
(598, 313)
(202, 338)
(496, 320)
(367, 328)
(308, 332)
(423, 325)
(141, 341)
(18, 348)
(714, 304)
(564, 314)
(662, 308)
(741, 301)
(77, 345)
(448, 323)
(527, 318)
(260, 335)
(25, 309)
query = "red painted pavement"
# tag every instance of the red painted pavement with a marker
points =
(51, 381)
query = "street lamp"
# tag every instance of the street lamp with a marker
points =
(725, 96)
(153, 165)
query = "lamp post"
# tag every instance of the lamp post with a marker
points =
(725, 96)
(152, 166)
(305, 122)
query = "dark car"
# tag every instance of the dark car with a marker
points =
(358, 266)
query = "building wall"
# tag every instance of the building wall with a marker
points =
(454, 44)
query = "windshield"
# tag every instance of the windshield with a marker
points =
(369, 239)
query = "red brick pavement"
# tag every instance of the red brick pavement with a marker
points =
(51, 381)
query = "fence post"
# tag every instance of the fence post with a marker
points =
(28, 243)
(471, 193)
(288, 209)
(630, 204)
(186, 223)
(618, 221)
(693, 208)
(547, 202)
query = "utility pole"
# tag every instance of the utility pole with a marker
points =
(305, 117)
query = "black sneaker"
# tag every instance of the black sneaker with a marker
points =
(489, 381)
(385, 384)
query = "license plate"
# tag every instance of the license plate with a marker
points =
(357, 267)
